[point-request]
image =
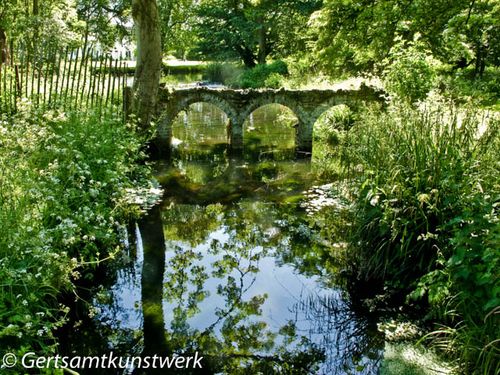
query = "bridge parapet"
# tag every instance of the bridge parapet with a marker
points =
(307, 105)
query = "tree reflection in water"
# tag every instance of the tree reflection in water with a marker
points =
(218, 259)
(232, 268)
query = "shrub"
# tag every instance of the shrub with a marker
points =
(257, 76)
(409, 76)
(462, 86)
(223, 73)
(274, 81)
(62, 205)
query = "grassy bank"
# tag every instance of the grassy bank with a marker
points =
(426, 192)
(68, 183)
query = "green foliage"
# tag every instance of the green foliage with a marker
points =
(95, 15)
(427, 210)
(224, 73)
(409, 75)
(350, 36)
(471, 35)
(330, 137)
(62, 205)
(274, 81)
(176, 67)
(176, 18)
(252, 30)
(356, 35)
(264, 75)
(45, 22)
(462, 86)
(415, 165)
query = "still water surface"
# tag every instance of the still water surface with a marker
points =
(231, 265)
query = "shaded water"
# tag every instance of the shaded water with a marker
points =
(231, 265)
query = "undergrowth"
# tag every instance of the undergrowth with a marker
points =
(68, 183)
(426, 188)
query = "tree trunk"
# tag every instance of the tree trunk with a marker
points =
(148, 61)
(246, 55)
(4, 48)
(479, 65)
(262, 42)
(36, 25)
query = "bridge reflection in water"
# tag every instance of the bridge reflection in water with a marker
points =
(232, 266)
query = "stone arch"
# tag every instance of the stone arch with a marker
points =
(214, 100)
(293, 101)
(262, 101)
(326, 105)
(181, 102)
(268, 133)
(178, 105)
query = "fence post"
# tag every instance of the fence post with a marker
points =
(127, 102)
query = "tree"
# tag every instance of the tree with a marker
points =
(472, 35)
(148, 62)
(12, 14)
(356, 35)
(177, 19)
(252, 30)
(105, 20)
(37, 23)
(4, 50)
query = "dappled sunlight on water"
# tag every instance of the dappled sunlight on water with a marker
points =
(231, 265)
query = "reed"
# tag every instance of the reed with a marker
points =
(426, 188)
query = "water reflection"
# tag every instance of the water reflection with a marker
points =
(269, 133)
(227, 293)
(230, 266)
(151, 284)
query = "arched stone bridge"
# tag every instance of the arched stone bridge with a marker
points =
(307, 105)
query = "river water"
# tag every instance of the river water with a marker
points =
(235, 263)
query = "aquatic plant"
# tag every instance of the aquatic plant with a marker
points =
(427, 220)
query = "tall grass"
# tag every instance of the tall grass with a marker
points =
(427, 191)
(222, 73)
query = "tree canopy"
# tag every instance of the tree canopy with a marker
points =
(356, 35)
(252, 30)
(39, 22)
(177, 20)
(336, 36)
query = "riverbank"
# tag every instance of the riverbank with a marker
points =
(424, 187)
(420, 185)
(69, 182)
